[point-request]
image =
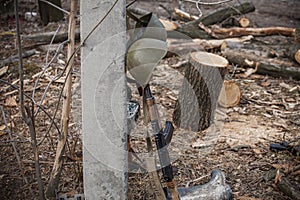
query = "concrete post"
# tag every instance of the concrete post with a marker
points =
(103, 100)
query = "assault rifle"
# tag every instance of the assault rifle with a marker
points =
(146, 47)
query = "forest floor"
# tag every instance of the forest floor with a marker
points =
(238, 143)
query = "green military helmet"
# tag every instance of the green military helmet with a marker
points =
(142, 57)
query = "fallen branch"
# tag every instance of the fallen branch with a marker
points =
(192, 29)
(184, 15)
(15, 58)
(273, 67)
(237, 31)
(45, 38)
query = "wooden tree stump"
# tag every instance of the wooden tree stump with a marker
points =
(196, 104)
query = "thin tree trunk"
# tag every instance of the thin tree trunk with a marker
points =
(26, 112)
(58, 162)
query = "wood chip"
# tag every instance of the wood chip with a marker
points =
(3, 70)
(11, 101)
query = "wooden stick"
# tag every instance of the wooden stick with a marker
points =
(15, 58)
(67, 93)
(236, 31)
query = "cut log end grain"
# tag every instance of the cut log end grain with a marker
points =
(209, 59)
(244, 22)
(297, 56)
(169, 25)
(230, 94)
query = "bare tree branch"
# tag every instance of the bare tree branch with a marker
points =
(29, 120)
(55, 6)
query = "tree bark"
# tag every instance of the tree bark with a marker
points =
(273, 67)
(192, 29)
(196, 104)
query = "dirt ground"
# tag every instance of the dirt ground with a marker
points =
(238, 143)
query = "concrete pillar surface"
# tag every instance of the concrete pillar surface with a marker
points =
(103, 100)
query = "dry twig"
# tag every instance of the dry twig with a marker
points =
(57, 167)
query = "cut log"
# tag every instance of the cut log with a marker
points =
(182, 47)
(192, 29)
(286, 50)
(215, 189)
(244, 22)
(273, 67)
(237, 32)
(196, 104)
(169, 25)
(184, 15)
(230, 94)
(297, 56)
